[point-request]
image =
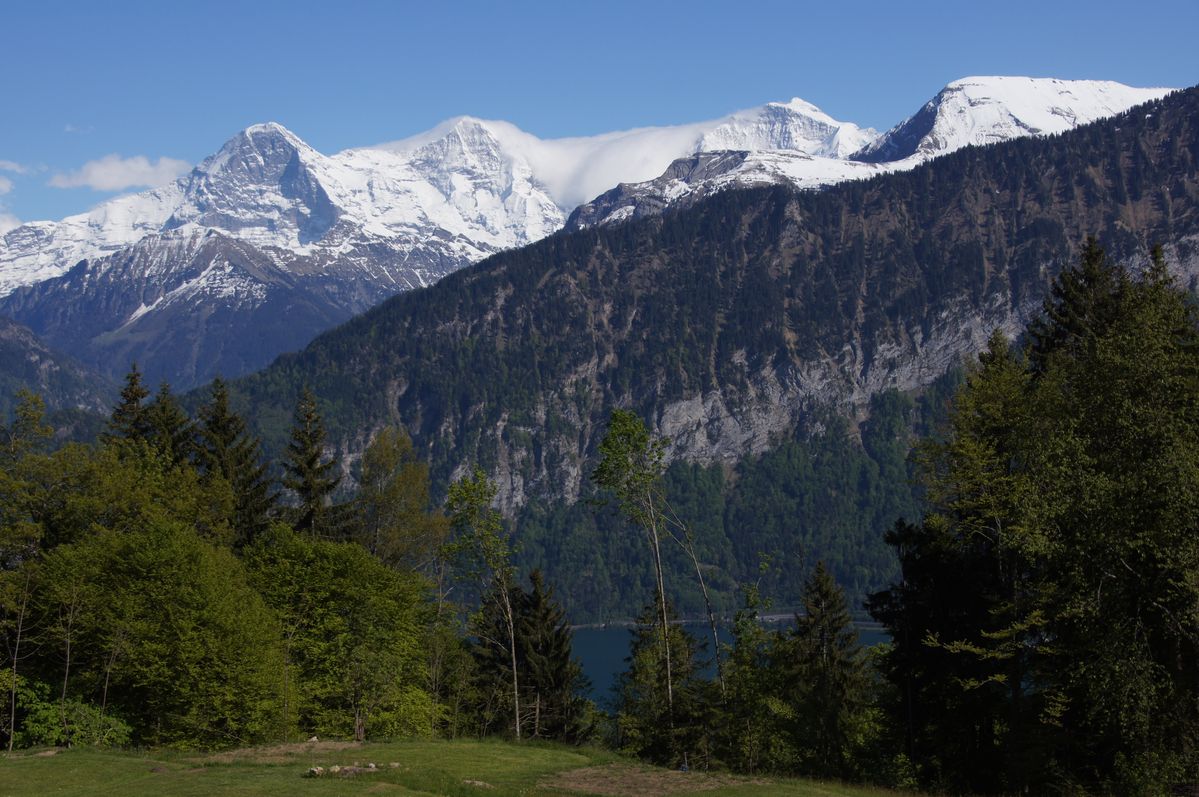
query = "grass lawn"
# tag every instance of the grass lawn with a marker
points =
(453, 768)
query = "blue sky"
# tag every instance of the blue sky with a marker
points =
(82, 81)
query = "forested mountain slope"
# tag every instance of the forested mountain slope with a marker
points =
(737, 323)
(26, 362)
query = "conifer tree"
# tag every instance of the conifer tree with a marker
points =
(128, 420)
(553, 678)
(170, 431)
(668, 728)
(228, 451)
(829, 679)
(1038, 634)
(306, 472)
(550, 679)
(1082, 303)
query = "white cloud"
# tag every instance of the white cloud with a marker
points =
(12, 166)
(5, 185)
(8, 222)
(114, 173)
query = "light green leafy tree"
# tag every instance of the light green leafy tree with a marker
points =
(486, 555)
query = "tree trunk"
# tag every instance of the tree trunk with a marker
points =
(66, 676)
(16, 657)
(689, 546)
(507, 598)
(653, 526)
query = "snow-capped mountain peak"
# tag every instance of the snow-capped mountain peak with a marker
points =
(256, 147)
(987, 110)
(573, 170)
(796, 125)
(262, 186)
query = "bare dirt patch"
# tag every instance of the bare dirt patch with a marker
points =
(278, 753)
(622, 780)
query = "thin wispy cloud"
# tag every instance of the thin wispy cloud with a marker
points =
(13, 166)
(7, 220)
(114, 173)
(72, 128)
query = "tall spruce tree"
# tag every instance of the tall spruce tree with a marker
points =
(1083, 302)
(553, 677)
(170, 430)
(228, 451)
(307, 473)
(128, 420)
(828, 683)
(550, 679)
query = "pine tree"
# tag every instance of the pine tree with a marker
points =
(669, 728)
(553, 679)
(1082, 303)
(829, 683)
(228, 451)
(128, 420)
(306, 473)
(170, 431)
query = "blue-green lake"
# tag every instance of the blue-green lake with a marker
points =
(602, 652)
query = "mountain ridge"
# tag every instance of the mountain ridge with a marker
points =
(330, 236)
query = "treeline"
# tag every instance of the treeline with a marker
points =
(160, 587)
